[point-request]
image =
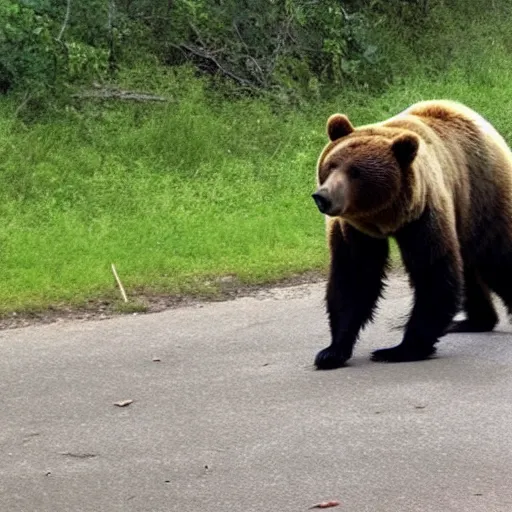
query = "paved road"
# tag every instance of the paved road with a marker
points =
(233, 417)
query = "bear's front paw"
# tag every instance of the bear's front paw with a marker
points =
(330, 358)
(403, 353)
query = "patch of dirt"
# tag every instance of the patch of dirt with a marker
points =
(226, 288)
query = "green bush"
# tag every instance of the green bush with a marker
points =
(28, 52)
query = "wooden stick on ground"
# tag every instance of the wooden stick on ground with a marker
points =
(123, 293)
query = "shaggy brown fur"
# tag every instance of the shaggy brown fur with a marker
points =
(438, 178)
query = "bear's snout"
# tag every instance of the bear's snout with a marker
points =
(322, 201)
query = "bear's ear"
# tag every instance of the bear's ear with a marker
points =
(338, 126)
(405, 148)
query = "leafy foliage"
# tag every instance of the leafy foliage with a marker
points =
(291, 49)
(28, 52)
(290, 46)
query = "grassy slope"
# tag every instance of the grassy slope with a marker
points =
(171, 196)
(175, 195)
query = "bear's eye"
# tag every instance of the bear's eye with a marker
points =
(354, 172)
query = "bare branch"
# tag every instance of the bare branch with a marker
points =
(285, 31)
(197, 33)
(208, 56)
(261, 79)
(112, 64)
(65, 22)
(344, 13)
(117, 94)
(21, 106)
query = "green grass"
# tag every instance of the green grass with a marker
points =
(178, 195)
(172, 196)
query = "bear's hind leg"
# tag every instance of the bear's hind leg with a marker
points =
(431, 256)
(358, 268)
(480, 313)
(435, 303)
(498, 276)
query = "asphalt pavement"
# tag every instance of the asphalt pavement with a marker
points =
(228, 414)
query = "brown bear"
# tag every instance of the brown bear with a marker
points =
(438, 178)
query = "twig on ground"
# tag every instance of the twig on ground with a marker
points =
(123, 293)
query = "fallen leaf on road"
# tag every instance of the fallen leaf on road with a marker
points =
(326, 504)
(123, 403)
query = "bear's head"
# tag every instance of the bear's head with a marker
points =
(361, 171)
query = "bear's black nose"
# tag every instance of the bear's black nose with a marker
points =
(323, 203)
